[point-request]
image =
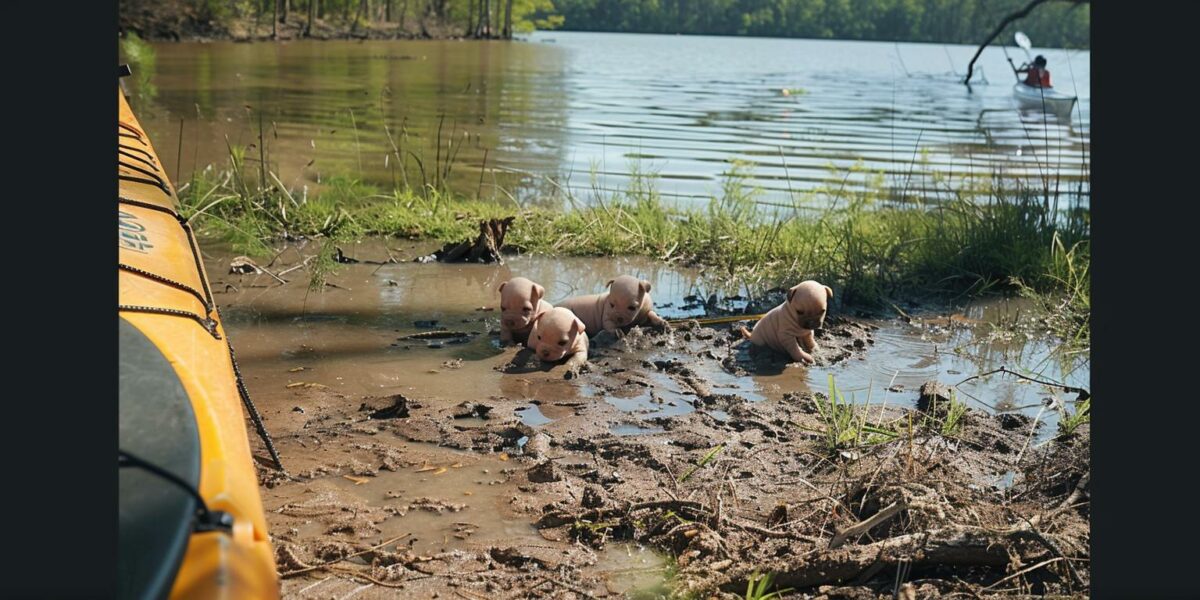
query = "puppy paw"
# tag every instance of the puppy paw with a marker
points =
(805, 360)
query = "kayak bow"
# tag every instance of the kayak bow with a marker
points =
(191, 520)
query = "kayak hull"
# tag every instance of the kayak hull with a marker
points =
(163, 292)
(1047, 100)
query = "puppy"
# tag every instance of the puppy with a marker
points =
(556, 334)
(520, 303)
(790, 325)
(626, 303)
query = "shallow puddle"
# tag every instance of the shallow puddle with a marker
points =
(633, 570)
(532, 415)
(952, 350)
(631, 429)
(355, 339)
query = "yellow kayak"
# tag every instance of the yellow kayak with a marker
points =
(191, 517)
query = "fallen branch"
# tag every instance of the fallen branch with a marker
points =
(694, 510)
(870, 523)
(1044, 563)
(954, 546)
(1037, 536)
(338, 560)
(567, 586)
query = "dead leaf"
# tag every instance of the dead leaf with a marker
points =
(296, 370)
(440, 471)
(426, 468)
(307, 384)
(503, 456)
(356, 480)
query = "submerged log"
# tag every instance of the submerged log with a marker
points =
(951, 547)
(485, 249)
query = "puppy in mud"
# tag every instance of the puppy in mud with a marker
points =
(789, 327)
(626, 303)
(556, 334)
(520, 303)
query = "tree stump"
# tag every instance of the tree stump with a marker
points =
(485, 249)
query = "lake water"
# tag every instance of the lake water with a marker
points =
(581, 111)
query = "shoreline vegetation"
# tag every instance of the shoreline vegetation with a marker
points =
(876, 247)
(1062, 24)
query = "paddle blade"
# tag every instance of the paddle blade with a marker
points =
(1023, 40)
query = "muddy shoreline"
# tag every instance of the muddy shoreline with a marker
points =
(667, 466)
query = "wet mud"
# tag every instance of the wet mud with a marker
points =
(426, 460)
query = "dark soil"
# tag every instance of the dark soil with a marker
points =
(726, 487)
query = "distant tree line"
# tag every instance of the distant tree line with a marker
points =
(157, 19)
(1055, 24)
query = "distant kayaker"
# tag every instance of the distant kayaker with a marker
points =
(1036, 74)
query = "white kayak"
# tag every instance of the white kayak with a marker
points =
(1046, 99)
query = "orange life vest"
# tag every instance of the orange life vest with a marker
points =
(1037, 77)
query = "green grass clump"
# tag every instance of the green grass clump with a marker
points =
(703, 461)
(1066, 296)
(868, 245)
(756, 588)
(846, 424)
(951, 422)
(1069, 421)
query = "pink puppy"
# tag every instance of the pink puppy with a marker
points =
(626, 303)
(556, 334)
(520, 303)
(790, 325)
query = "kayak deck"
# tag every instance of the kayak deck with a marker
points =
(163, 293)
(1047, 99)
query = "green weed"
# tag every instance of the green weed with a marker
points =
(756, 588)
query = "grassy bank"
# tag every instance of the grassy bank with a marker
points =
(869, 248)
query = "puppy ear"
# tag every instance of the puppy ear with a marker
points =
(501, 288)
(577, 326)
(829, 290)
(609, 284)
(537, 293)
(645, 285)
(791, 293)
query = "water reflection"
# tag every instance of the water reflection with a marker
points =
(587, 110)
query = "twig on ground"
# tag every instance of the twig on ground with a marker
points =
(1024, 571)
(338, 560)
(862, 527)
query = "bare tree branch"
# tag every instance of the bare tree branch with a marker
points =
(1021, 14)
